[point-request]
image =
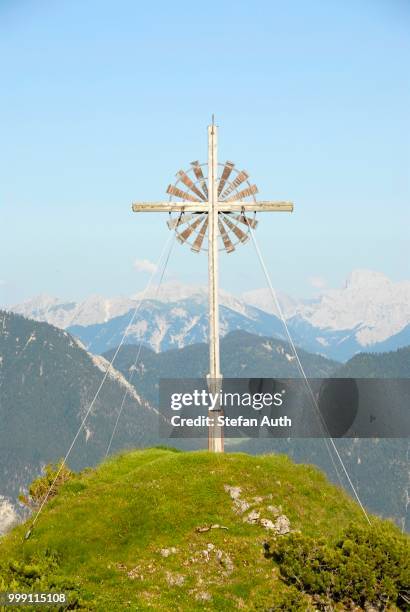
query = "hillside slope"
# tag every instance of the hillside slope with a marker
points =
(47, 382)
(394, 364)
(242, 355)
(136, 534)
(379, 468)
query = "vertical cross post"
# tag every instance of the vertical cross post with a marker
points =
(210, 203)
(215, 431)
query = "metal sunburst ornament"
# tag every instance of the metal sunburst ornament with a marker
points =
(192, 186)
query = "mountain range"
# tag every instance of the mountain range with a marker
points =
(369, 314)
(47, 381)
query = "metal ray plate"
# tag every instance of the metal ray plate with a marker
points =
(225, 175)
(200, 238)
(235, 229)
(200, 177)
(242, 176)
(183, 236)
(225, 238)
(245, 220)
(181, 194)
(187, 181)
(245, 193)
(181, 220)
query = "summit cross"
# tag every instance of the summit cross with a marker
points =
(216, 205)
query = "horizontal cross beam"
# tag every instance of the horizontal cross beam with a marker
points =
(233, 206)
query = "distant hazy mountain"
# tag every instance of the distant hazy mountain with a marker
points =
(401, 339)
(370, 313)
(369, 303)
(63, 314)
(163, 325)
(242, 355)
(47, 382)
(394, 364)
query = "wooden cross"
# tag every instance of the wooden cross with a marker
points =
(215, 199)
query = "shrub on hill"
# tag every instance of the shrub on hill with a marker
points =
(366, 566)
(39, 574)
(54, 475)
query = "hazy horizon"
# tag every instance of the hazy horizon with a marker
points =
(174, 283)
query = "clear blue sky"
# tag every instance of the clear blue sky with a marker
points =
(103, 101)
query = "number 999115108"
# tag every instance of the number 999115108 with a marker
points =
(17, 598)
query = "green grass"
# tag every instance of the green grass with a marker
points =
(108, 522)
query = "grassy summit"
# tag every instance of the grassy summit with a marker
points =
(136, 534)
